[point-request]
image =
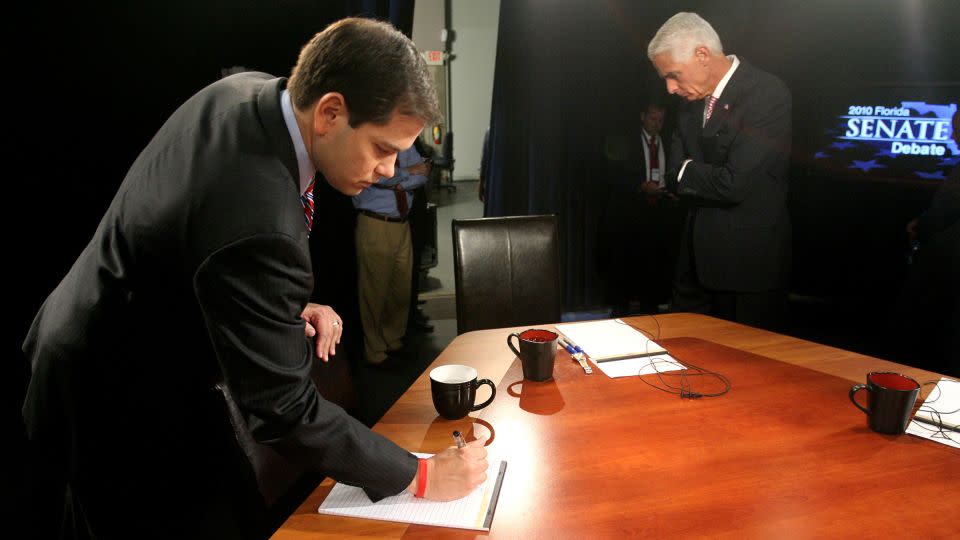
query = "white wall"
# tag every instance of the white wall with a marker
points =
(428, 17)
(475, 24)
(427, 24)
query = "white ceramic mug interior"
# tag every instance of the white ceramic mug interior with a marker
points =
(453, 374)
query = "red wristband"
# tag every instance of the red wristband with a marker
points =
(421, 477)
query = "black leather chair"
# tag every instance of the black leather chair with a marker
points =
(507, 271)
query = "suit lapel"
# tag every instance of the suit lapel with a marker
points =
(697, 116)
(689, 126)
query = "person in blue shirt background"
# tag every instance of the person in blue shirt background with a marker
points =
(384, 257)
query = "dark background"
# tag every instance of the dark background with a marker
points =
(572, 75)
(90, 83)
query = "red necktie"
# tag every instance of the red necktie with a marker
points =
(307, 201)
(711, 103)
(654, 156)
(654, 165)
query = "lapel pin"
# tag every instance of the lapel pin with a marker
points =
(726, 106)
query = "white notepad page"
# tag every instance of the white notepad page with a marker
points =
(469, 512)
(610, 339)
(941, 406)
(644, 365)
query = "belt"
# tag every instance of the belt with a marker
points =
(382, 217)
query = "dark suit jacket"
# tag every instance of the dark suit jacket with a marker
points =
(625, 203)
(174, 345)
(944, 209)
(737, 182)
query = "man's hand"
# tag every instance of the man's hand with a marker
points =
(420, 168)
(651, 188)
(912, 229)
(324, 323)
(455, 472)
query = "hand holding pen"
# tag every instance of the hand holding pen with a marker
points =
(453, 473)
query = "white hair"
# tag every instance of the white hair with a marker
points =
(681, 35)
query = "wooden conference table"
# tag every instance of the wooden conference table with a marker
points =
(784, 454)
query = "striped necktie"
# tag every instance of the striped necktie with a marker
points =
(307, 201)
(711, 103)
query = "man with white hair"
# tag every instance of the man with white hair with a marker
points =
(728, 158)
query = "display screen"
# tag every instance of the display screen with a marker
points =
(889, 132)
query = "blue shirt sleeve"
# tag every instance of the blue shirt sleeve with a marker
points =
(379, 198)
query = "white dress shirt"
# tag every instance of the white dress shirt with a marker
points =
(653, 175)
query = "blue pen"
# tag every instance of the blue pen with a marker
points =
(577, 354)
(571, 345)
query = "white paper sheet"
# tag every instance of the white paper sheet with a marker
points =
(608, 339)
(645, 365)
(941, 406)
(470, 512)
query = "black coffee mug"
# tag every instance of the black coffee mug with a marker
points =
(454, 389)
(538, 351)
(890, 400)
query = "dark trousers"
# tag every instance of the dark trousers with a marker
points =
(419, 225)
(762, 309)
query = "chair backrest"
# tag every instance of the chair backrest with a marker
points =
(447, 148)
(445, 160)
(507, 271)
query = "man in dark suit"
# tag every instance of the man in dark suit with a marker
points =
(728, 159)
(927, 321)
(653, 174)
(637, 206)
(171, 366)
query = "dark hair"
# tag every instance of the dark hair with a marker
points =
(654, 104)
(376, 68)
